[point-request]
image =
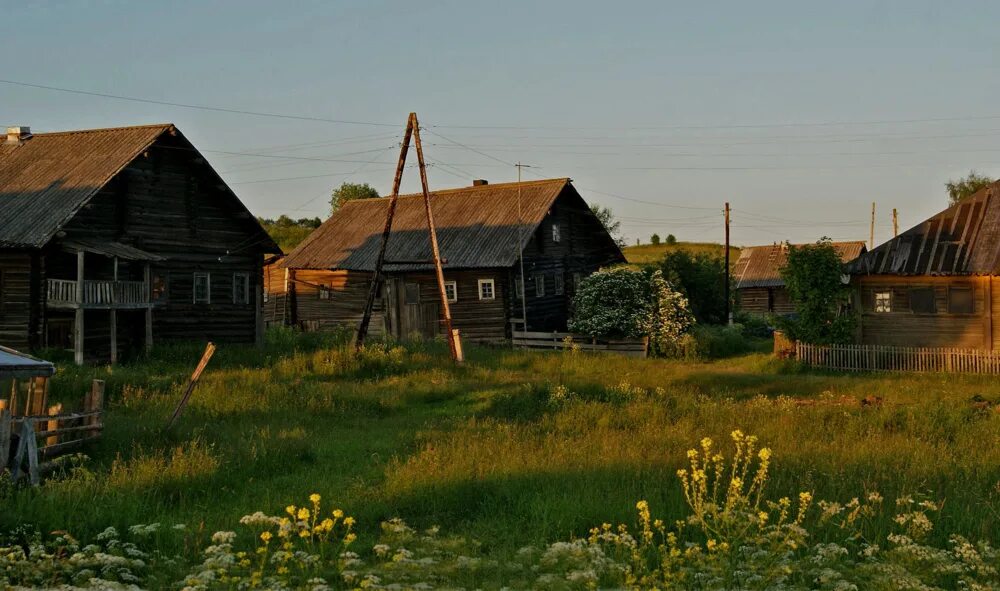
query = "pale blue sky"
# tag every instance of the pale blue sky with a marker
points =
(677, 104)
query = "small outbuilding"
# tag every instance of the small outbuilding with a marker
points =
(757, 275)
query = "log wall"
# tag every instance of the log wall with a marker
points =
(18, 315)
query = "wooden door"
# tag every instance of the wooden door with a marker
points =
(415, 314)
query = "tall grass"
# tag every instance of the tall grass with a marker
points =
(511, 448)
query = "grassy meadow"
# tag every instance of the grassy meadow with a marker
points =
(511, 448)
(652, 253)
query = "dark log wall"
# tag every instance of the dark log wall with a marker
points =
(481, 321)
(583, 247)
(903, 327)
(765, 300)
(169, 203)
(341, 306)
(18, 315)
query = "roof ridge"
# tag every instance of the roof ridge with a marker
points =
(104, 129)
(466, 188)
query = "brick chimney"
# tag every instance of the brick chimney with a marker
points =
(479, 182)
(18, 134)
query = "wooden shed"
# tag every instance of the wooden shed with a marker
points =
(757, 274)
(938, 283)
(113, 238)
(483, 231)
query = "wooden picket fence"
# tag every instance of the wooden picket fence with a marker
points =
(33, 435)
(886, 358)
(565, 340)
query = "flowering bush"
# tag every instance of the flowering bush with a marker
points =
(627, 302)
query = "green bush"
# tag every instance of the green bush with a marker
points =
(715, 342)
(701, 277)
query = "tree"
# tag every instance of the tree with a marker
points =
(654, 239)
(701, 277)
(349, 192)
(627, 302)
(961, 189)
(671, 239)
(813, 276)
(607, 219)
(288, 233)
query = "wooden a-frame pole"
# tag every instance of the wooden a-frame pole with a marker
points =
(412, 130)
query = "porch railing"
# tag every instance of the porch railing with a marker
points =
(98, 293)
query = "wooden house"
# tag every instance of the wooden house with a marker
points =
(936, 284)
(485, 231)
(757, 276)
(113, 238)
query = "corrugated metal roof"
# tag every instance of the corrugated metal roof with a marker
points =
(47, 178)
(961, 240)
(14, 364)
(760, 266)
(477, 227)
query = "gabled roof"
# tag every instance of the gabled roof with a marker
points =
(760, 266)
(47, 178)
(961, 240)
(477, 227)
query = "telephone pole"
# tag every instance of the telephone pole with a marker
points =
(729, 311)
(871, 235)
(895, 223)
(520, 250)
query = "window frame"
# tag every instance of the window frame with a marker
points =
(559, 284)
(556, 233)
(972, 299)
(519, 289)
(933, 294)
(882, 307)
(493, 289)
(539, 279)
(323, 292)
(454, 291)
(208, 287)
(246, 288)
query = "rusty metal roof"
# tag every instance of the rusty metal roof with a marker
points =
(760, 266)
(47, 178)
(961, 240)
(477, 227)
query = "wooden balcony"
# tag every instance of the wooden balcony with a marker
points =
(96, 294)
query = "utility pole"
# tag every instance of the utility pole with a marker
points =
(871, 235)
(520, 249)
(729, 311)
(895, 223)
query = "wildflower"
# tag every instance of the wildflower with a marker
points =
(337, 513)
(762, 516)
(303, 514)
(266, 536)
(314, 498)
(349, 521)
(290, 510)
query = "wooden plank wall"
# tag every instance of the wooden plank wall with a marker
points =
(901, 327)
(765, 300)
(276, 303)
(15, 299)
(481, 321)
(346, 302)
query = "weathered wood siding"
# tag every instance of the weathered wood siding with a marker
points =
(342, 305)
(903, 327)
(765, 300)
(18, 313)
(275, 306)
(583, 248)
(169, 203)
(481, 321)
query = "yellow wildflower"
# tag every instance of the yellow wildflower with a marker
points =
(711, 544)
(303, 513)
(348, 521)
(290, 510)
(326, 524)
(314, 498)
(304, 533)
(337, 513)
(266, 536)
(350, 538)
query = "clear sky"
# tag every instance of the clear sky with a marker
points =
(798, 113)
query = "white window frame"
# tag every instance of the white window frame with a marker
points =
(556, 233)
(453, 296)
(324, 292)
(882, 302)
(246, 289)
(518, 288)
(539, 279)
(208, 287)
(559, 285)
(493, 289)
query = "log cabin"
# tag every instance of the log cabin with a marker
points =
(111, 239)
(757, 274)
(936, 284)
(485, 231)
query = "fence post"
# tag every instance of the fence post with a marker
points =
(94, 402)
(53, 424)
(5, 425)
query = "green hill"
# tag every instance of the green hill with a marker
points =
(650, 253)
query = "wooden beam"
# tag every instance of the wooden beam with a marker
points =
(78, 320)
(258, 311)
(113, 320)
(147, 277)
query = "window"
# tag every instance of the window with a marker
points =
(202, 288)
(487, 290)
(451, 291)
(577, 278)
(241, 288)
(922, 300)
(555, 233)
(519, 288)
(883, 302)
(539, 284)
(267, 296)
(158, 289)
(960, 300)
(324, 292)
(411, 293)
(560, 286)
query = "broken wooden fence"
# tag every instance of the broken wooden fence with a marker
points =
(59, 432)
(564, 340)
(887, 358)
